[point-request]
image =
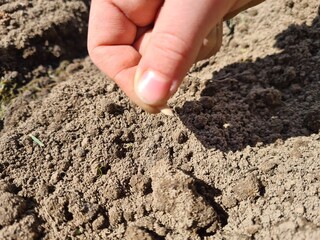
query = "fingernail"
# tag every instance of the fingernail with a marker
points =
(152, 88)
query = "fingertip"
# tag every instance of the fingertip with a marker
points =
(125, 80)
(152, 87)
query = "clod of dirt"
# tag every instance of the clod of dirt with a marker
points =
(57, 206)
(178, 204)
(82, 212)
(312, 120)
(27, 228)
(11, 208)
(112, 189)
(200, 122)
(140, 184)
(248, 187)
(265, 97)
(115, 215)
(206, 102)
(229, 201)
(135, 233)
(99, 223)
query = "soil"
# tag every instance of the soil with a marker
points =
(239, 160)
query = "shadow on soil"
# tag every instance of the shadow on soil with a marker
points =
(276, 97)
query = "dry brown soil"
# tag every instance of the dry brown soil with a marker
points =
(239, 160)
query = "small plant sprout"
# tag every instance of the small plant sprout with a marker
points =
(99, 171)
(128, 145)
(36, 140)
(102, 170)
(78, 231)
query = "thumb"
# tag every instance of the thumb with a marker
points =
(174, 44)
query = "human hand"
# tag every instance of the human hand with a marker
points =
(148, 46)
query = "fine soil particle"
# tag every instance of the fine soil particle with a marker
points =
(239, 160)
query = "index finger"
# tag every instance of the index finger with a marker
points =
(110, 36)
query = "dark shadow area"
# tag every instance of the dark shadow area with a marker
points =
(276, 97)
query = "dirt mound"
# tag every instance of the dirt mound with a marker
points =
(239, 160)
(36, 36)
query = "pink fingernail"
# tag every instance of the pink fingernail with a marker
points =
(153, 88)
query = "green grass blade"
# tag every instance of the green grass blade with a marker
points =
(36, 140)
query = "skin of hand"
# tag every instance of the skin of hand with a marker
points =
(148, 46)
